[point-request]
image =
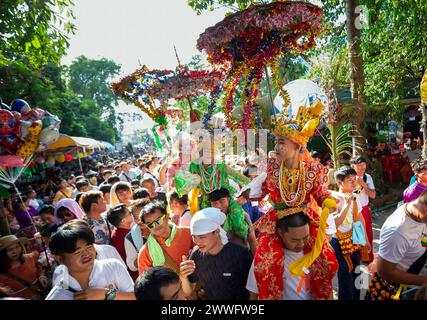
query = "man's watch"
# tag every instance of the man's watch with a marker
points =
(110, 293)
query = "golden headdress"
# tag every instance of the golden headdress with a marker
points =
(302, 128)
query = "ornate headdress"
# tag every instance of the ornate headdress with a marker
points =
(300, 129)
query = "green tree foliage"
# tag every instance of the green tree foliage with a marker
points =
(35, 29)
(394, 49)
(90, 79)
(234, 5)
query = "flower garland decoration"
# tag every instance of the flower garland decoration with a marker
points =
(246, 42)
(166, 84)
(143, 86)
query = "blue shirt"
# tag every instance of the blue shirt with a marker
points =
(253, 211)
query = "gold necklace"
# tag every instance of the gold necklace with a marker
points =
(297, 194)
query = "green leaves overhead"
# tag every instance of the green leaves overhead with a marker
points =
(39, 29)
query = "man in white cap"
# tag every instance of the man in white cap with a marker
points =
(220, 266)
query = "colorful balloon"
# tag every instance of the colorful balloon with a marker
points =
(11, 161)
(7, 122)
(20, 105)
(10, 143)
(32, 115)
(48, 136)
(50, 120)
(22, 129)
(60, 157)
(31, 142)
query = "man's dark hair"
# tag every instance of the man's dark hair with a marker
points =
(88, 198)
(151, 208)
(140, 203)
(148, 163)
(113, 179)
(140, 193)
(218, 194)
(315, 154)
(105, 188)
(48, 209)
(135, 181)
(64, 240)
(357, 160)
(82, 183)
(175, 197)
(292, 221)
(122, 186)
(418, 165)
(344, 172)
(116, 214)
(149, 283)
(78, 196)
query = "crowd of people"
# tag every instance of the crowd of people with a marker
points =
(251, 229)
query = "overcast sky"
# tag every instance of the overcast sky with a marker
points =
(128, 31)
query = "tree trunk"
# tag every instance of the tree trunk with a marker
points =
(356, 71)
(335, 157)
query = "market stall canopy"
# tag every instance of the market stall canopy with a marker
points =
(66, 141)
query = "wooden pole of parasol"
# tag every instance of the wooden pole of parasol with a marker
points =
(267, 76)
(179, 65)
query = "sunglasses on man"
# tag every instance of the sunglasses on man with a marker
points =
(158, 221)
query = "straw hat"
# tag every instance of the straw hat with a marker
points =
(7, 241)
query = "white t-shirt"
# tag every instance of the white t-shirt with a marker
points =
(136, 171)
(127, 177)
(290, 283)
(347, 224)
(185, 219)
(363, 196)
(400, 240)
(331, 229)
(105, 273)
(105, 251)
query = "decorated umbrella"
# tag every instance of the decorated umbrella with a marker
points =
(144, 86)
(248, 41)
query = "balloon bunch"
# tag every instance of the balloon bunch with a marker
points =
(24, 130)
(246, 42)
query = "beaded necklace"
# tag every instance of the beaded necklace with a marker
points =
(210, 181)
(292, 198)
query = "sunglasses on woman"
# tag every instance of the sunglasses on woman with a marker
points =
(158, 221)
